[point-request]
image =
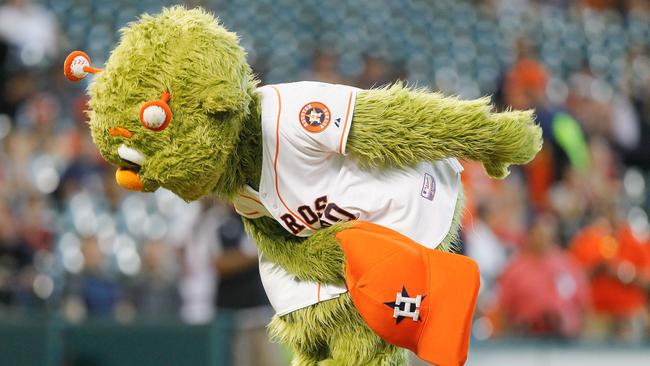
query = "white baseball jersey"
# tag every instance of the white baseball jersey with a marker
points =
(308, 183)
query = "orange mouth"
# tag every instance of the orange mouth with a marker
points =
(128, 179)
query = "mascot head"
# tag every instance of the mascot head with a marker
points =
(169, 107)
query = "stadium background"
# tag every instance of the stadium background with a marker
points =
(93, 275)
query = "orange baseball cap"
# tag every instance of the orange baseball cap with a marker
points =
(411, 296)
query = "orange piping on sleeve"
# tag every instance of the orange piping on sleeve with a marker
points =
(318, 294)
(345, 126)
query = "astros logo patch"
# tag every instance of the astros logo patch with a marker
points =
(405, 306)
(315, 117)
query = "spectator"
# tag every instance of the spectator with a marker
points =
(525, 87)
(154, 292)
(94, 289)
(376, 72)
(615, 262)
(543, 291)
(31, 28)
(240, 290)
(325, 68)
(15, 256)
(217, 232)
(193, 230)
(484, 246)
(603, 111)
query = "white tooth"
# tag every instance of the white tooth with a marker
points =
(130, 154)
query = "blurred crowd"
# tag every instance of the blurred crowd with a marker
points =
(563, 243)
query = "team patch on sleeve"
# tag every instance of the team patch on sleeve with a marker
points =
(428, 187)
(315, 117)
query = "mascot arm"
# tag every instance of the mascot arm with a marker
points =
(399, 127)
(316, 258)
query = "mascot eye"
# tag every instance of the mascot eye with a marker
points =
(156, 114)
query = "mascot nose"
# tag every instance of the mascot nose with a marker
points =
(128, 179)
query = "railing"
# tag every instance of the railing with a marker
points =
(52, 342)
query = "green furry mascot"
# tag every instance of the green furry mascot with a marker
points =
(347, 192)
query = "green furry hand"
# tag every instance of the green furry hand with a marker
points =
(317, 258)
(525, 143)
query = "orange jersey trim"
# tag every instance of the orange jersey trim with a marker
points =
(345, 126)
(275, 161)
(318, 294)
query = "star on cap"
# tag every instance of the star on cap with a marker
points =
(402, 306)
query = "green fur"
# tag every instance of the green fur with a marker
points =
(212, 93)
(451, 242)
(316, 258)
(337, 336)
(213, 147)
(396, 127)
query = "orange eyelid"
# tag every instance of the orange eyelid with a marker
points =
(165, 96)
(119, 131)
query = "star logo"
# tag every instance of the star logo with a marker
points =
(314, 117)
(405, 306)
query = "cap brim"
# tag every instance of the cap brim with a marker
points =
(453, 287)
